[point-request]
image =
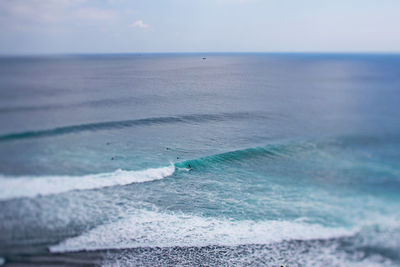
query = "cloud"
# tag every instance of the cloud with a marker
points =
(96, 14)
(139, 24)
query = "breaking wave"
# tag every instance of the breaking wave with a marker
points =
(156, 229)
(31, 186)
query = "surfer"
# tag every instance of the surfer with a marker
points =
(190, 167)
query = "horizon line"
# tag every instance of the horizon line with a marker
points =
(198, 52)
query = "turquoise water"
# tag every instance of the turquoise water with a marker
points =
(168, 159)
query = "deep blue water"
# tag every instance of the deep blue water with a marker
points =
(239, 159)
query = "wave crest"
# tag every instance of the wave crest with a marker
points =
(266, 152)
(110, 125)
(31, 186)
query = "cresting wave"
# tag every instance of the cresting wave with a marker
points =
(157, 229)
(266, 152)
(311, 148)
(193, 118)
(31, 186)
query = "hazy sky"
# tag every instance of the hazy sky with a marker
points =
(112, 26)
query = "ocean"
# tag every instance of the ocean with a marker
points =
(238, 159)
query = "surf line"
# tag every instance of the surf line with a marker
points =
(32, 186)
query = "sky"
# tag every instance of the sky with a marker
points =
(129, 26)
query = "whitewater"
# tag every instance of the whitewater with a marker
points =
(31, 186)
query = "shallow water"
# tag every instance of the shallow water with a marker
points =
(240, 159)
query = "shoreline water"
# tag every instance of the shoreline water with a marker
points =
(286, 253)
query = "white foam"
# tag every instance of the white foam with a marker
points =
(154, 229)
(31, 186)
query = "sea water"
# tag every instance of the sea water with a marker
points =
(172, 159)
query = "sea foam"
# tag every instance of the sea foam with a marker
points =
(156, 229)
(31, 186)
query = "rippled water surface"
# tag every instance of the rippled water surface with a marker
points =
(169, 159)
